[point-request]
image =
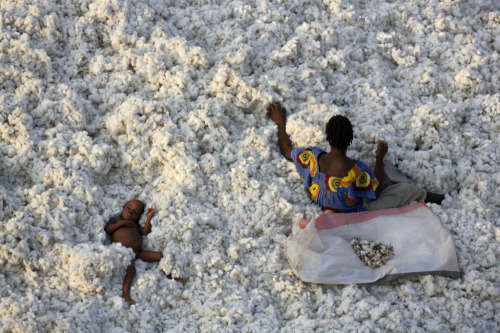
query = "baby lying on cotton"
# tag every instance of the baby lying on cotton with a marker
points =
(125, 229)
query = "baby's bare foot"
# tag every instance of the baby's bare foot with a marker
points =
(181, 280)
(129, 300)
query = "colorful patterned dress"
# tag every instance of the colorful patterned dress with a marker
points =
(334, 194)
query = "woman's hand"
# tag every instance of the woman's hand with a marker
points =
(382, 149)
(277, 113)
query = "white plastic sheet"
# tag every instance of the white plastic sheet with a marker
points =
(319, 249)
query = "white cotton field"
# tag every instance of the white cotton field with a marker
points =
(103, 101)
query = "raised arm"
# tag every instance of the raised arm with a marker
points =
(382, 149)
(147, 226)
(277, 113)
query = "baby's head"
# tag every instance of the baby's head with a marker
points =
(133, 210)
(339, 132)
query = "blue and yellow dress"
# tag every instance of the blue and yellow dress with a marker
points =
(334, 194)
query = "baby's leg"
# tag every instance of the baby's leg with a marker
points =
(149, 256)
(154, 256)
(127, 283)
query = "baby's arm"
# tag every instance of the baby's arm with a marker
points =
(147, 226)
(115, 224)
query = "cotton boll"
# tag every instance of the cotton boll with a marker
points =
(466, 78)
(306, 137)
(209, 163)
(99, 159)
(86, 269)
(233, 251)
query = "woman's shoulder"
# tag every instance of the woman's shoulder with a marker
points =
(362, 165)
(315, 151)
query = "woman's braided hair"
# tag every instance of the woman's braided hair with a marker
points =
(339, 132)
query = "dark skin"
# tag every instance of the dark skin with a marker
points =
(127, 231)
(334, 163)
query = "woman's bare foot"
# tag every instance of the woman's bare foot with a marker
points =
(434, 198)
(382, 149)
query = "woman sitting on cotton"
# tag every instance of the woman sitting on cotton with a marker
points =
(338, 183)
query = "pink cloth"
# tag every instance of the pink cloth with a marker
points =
(334, 220)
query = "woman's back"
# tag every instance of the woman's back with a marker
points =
(336, 194)
(335, 166)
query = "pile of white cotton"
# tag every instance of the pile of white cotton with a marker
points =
(102, 101)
